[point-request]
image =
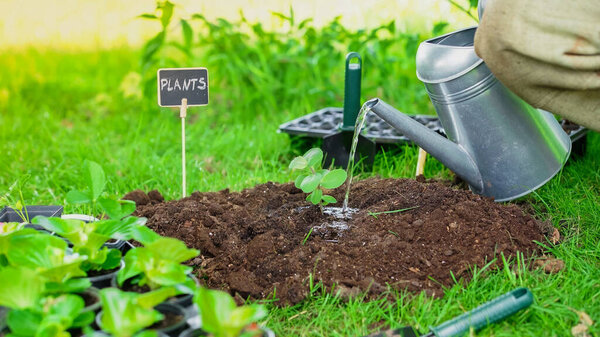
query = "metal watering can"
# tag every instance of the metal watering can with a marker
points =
(501, 146)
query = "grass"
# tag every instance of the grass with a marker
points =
(58, 109)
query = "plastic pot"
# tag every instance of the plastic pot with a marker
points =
(104, 280)
(8, 214)
(172, 330)
(197, 332)
(183, 300)
(94, 293)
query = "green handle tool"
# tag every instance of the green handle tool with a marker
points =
(352, 79)
(478, 318)
(485, 314)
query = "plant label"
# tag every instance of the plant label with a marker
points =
(175, 84)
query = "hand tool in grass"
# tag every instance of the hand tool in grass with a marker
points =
(337, 146)
(491, 312)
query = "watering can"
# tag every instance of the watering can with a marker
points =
(501, 146)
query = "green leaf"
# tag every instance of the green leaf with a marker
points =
(333, 179)
(314, 157)
(20, 288)
(113, 259)
(188, 33)
(315, 196)
(215, 308)
(148, 16)
(172, 250)
(298, 163)
(151, 47)
(122, 316)
(84, 318)
(95, 178)
(136, 261)
(327, 199)
(439, 27)
(146, 333)
(116, 210)
(153, 298)
(144, 235)
(166, 8)
(77, 197)
(299, 179)
(62, 227)
(243, 316)
(24, 322)
(310, 183)
(76, 285)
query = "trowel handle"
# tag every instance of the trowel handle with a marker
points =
(352, 81)
(490, 312)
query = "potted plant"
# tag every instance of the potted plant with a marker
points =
(159, 264)
(222, 318)
(33, 312)
(126, 314)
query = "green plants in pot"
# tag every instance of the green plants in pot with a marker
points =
(222, 318)
(34, 312)
(159, 264)
(127, 314)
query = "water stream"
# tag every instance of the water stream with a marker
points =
(360, 123)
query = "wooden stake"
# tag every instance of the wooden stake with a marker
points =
(421, 162)
(182, 114)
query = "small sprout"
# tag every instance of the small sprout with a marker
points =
(375, 214)
(314, 179)
(307, 235)
(395, 234)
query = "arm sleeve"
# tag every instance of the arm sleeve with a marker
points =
(547, 52)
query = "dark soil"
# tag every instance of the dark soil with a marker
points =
(89, 299)
(169, 319)
(92, 272)
(252, 242)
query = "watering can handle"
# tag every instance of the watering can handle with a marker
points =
(352, 79)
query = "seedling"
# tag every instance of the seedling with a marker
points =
(375, 214)
(88, 239)
(316, 180)
(221, 317)
(158, 264)
(34, 314)
(124, 314)
(307, 235)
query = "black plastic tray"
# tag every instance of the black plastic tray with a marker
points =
(8, 214)
(325, 122)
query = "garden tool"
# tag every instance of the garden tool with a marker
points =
(337, 146)
(501, 146)
(491, 312)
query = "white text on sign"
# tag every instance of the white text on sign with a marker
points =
(187, 84)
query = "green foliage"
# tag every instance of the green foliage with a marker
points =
(45, 254)
(221, 317)
(158, 264)
(124, 314)
(33, 314)
(315, 180)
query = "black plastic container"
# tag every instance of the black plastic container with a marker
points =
(8, 214)
(184, 300)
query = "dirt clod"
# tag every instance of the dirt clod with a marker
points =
(254, 243)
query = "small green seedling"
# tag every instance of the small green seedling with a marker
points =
(307, 235)
(125, 314)
(32, 313)
(159, 264)
(375, 214)
(316, 180)
(222, 318)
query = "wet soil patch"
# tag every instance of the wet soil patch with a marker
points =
(255, 241)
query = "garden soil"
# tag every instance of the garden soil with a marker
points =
(258, 242)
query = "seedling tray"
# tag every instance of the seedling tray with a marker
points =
(326, 121)
(8, 214)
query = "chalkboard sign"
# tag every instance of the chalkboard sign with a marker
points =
(175, 84)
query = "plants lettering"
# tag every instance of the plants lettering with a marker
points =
(188, 84)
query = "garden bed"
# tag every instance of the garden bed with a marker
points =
(255, 241)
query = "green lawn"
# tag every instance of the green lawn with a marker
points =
(58, 109)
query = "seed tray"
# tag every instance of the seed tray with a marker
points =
(8, 214)
(325, 122)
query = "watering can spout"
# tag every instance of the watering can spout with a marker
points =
(449, 153)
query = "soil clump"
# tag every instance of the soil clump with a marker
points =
(256, 240)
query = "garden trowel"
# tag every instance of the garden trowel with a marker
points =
(476, 319)
(337, 146)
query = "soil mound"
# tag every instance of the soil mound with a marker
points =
(255, 241)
